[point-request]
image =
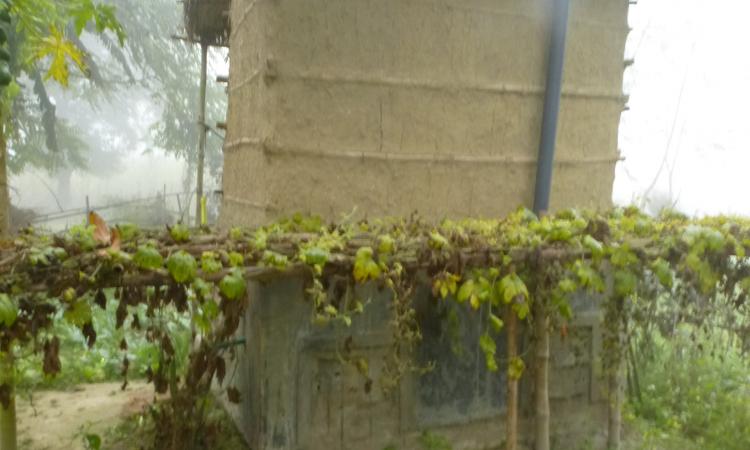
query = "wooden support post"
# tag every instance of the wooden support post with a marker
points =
(202, 134)
(8, 434)
(541, 376)
(511, 421)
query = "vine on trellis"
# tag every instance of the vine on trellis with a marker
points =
(519, 269)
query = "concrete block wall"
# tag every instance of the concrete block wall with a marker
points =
(298, 395)
(391, 106)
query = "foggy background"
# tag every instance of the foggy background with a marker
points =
(683, 138)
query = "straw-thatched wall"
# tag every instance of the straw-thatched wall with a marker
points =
(207, 21)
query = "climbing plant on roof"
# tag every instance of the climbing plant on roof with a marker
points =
(514, 270)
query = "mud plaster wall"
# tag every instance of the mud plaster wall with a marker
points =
(393, 106)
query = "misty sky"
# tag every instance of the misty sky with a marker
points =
(689, 97)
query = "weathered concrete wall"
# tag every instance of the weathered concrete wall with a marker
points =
(393, 106)
(298, 395)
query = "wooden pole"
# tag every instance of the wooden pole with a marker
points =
(541, 376)
(8, 434)
(202, 134)
(511, 420)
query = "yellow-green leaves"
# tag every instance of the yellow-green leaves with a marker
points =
(444, 284)
(513, 292)
(233, 285)
(588, 277)
(516, 368)
(44, 255)
(182, 266)
(437, 241)
(663, 272)
(180, 233)
(148, 258)
(8, 310)
(59, 50)
(511, 287)
(386, 245)
(102, 15)
(625, 283)
(365, 268)
(236, 259)
(496, 323)
(595, 247)
(489, 348)
(260, 239)
(622, 256)
(315, 256)
(78, 313)
(469, 292)
(209, 263)
(273, 259)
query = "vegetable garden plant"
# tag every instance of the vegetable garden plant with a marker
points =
(522, 268)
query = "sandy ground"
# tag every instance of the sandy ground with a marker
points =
(55, 420)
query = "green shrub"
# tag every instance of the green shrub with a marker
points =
(697, 388)
(104, 361)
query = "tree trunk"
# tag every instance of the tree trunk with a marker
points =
(8, 436)
(541, 377)
(511, 424)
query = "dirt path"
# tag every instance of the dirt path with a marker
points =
(55, 419)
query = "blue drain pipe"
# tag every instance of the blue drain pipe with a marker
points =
(552, 95)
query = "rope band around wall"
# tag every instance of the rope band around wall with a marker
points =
(273, 149)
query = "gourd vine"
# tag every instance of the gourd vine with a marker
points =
(639, 271)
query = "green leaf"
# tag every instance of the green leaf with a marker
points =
(209, 263)
(466, 291)
(236, 259)
(625, 283)
(59, 50)
(260, 240)
(623, 257)
(512, 286)
(588, 277)
(496, 322)
(364, 266)
(516, 368)
(561, 231)
(437, 241)
(663, 272)
(202, 289)
(233, 285)
(69, 295)
(236, 234)
(182, 266)
(315, 256)
(386, 245)
(567, 286)
(489, 348)
(522, 309)
(180, 233)
(79, 313)
(8, 310)
(595, 247)
(148, 258)
(93, 441)
(273, 259)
